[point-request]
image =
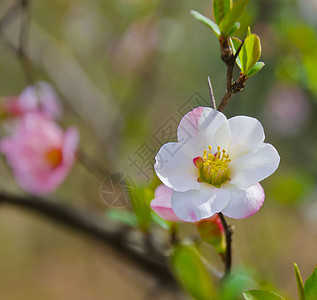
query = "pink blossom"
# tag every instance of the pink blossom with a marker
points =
(39, 98)
(40, 153)
(216, 165)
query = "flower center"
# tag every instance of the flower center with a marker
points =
(54, 157)
(213, 168)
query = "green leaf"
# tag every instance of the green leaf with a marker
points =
(232, 17)
(261, 295)
(221, 8)
(234, 285)
(122, 216)
(234, 28)
(249, 31)
(235, 44)
(141, 206)
(299, 282)
(251, 52)
(192, 273)
(160, 222)
(211, 24)
(310, 288)
(255, 69)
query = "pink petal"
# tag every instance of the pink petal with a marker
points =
(244, 202)
(161, 204)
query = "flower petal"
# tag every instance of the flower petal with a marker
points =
(161, 204)
(244, 203)
(70, 143)
(175, 168)
(253, 167)
(192, 206)
(246, 134)
(198, 127)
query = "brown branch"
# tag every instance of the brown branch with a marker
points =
(230, 59)
(228, 257)
(95, 226)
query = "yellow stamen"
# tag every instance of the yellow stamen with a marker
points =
(214, 169)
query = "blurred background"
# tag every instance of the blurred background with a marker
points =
(126, 71)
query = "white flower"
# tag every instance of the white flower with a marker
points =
(216, 165)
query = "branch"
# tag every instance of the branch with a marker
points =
(228, 257)
(230, 59)
(95, 226)
(211, 93)
(19, 50)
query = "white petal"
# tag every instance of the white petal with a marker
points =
(192, 206)
(175, 168)
(244, 203)
(246, 134)
(251, 168)
(198, 127)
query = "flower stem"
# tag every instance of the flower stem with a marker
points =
(228, 257)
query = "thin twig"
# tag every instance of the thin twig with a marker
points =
(24, 26)
(10, 14)
(211, 93)
(228, 232)
(95, 226)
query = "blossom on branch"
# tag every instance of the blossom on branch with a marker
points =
(216, 165)
(40, 153)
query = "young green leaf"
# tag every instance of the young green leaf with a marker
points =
(198, 16)
(251, 52)
(232, 17)
(255, 69)
(234, 28)
(233, 286)
(160, 222)
(192, 273)
(310, 288)
(122, 216)
(249, 31)
(299, 282)
(235, 44)
(141, 206)
(261, 295)
(221, 8)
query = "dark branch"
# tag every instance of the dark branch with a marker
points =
(95, 226)
(230, 59)
(228, 257)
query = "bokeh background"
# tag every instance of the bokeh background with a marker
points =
(126, 69)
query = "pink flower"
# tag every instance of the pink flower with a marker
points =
(40, 98)
(40, 153)
(216, 165)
